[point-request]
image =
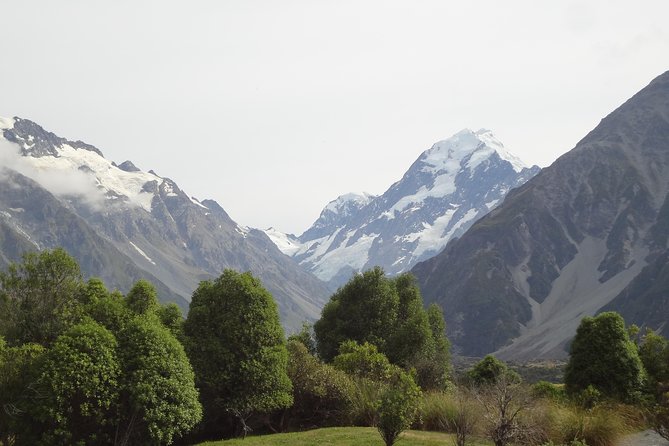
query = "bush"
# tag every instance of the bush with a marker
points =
(546, 390)
(363, 361)
(489, 370)
(322, 395)
(398, 407)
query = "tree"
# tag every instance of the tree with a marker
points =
(389, 314)
(142, 298)
(39, 297)
(363, 310)
(171, 317)
(306, 337)
(489, 370)
(502, 400)
(159, 401)
(237, 348)
(603, 356)
(80, 385)
(433, 363)
(412, 336)
(19, 372)
(363, 361)
(398, 406)
(654, 354)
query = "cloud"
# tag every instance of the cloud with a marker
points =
(61, 182)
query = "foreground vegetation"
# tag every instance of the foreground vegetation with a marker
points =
(82, 365)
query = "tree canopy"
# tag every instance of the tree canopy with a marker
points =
(237, 347)
(603, 356)
(388, 313)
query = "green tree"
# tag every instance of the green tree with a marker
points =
(603, 356)
(411, 337)
(39, 297)
(654, 354)
(398, 406)
(489, 370)
(363, 361)
(80, 384)
(433, 363)
(19, 372)
(93, 291)
(237, 348)
(171, 317)
(159, 401)
(142, 297)
(306, 337)
(363, 310)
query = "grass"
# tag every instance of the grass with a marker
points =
(342, 436)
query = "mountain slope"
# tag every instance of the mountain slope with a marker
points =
(146, 218)
(579, 236)
(446, 189)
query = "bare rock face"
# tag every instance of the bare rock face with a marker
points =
(587, 234)
(122, 224)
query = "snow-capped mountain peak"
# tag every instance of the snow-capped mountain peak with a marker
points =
(344, 203)
(120, 219)
(450, 186)
(76, 168)
(471, 146)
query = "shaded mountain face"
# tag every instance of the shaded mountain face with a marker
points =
(446, 189)
(122, 224)
(587, 234)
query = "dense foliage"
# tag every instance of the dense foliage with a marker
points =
(39, 297)
(86, 366)
(321, 393)
(398, 406)
(387, 313)
(603, 356)
(490, 370)
(238, 350)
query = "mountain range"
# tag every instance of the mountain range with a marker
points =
(441, 195)
(515, 256)
(587, 234)
(122, 224)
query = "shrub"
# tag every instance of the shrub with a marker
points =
(363, 361)
(489, 370)
(544, 389)
(322, 395)
(398, 407)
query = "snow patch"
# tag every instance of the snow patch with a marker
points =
(360, 200)
(354, 256)
(287, 243)
(196, 202)
(143, 254)
(6, 123)
(243, 230)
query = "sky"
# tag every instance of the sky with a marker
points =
(274, 108)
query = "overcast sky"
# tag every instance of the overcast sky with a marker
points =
(275, 107)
